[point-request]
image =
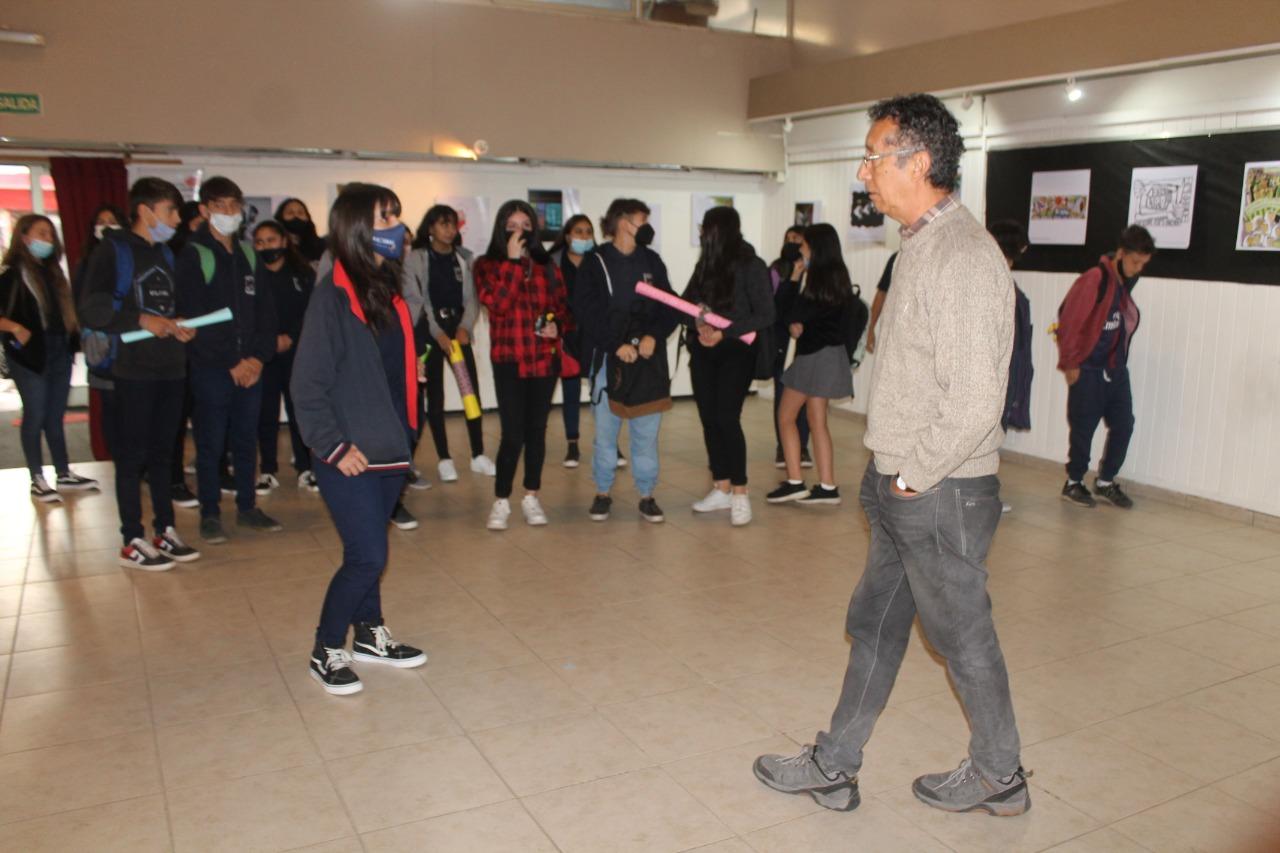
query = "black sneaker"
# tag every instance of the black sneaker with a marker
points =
(228, 484)
(402, 518)
(373, 644)
(779, 459)
(622, 460)
(1078, 494)
(571, 456)
(211, 530)
(70, 480)
(183, 496)
(256, 519)
(43, 492)
(806, 461)
(787, 491)
(818, 496)
(650, 510)
(1110, 493)
(139, 554)
(171, 545)
(332, 668)
(600, 508)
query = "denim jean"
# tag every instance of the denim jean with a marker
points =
(927, 557)
(44, 404)
(224, 413)
(604, 450)
(147, 413)
(360, 507)
(1099, 395)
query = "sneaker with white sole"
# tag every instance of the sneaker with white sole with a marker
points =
(650, 511)
(307, 482)
(182, 496)
(715, 501)
(572, 456)
(332, 668)
(42, 491)
(534, 515)
(139, 554)
(967, 789)
(266, 483)
(373, 644)
(622, 460)
(787, 491)
(739, 510)
(801, 774)
(71, 481)
(417, 481)
(820, 495)
(499, 515)
(402, 518)
(448, 473)
(484, 465)
(170, 544)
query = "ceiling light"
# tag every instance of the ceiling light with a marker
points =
(16, 37)
(1074, 92)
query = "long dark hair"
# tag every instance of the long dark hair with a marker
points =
(19, 256)
(828, 278)
(433, 215)
(279, 215)
(562, 242)
(497, 250)
(351, 241)
(292, 257)
(723, 251)
(92, 240)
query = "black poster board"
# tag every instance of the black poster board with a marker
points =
(1212, 255)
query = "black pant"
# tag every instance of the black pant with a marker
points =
(179, 475)
(224, 412)
(275, 385)
(523, 406)
(147, 412)
(1099, 395)
(721, 377)
(435, 369)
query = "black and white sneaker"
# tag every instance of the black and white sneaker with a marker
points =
(71, 481)
(600, 507)
(307, 482)
(42, 491)
(139, 554)
(373, 644)
(571, 456)
(227, 484)
(622, 460)
(779, 459)
(183, 496)
(266, 484)
(332, 668)
(171, 545)
(820, 496)
(1078, 494)
(256, 519)
(1110, 492)
(787, 491)
(806, 461)
(650, 511)
(403, 519)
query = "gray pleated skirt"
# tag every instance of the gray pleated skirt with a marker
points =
(825, 373)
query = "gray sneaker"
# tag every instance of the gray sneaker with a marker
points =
(967, 789)
(211, 530)
(801, 774)
(256, 519)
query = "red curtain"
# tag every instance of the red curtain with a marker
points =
(83, 183)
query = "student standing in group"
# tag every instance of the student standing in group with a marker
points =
(287, 278)
(616, 324)
(101, 402)
(821, 321)
(786, 275)
(732, 281)
(526, 298)
(215, 271)
(1011, 237)
(355, 389)
(38, 320)
(190, 220)
(149, 376)
(293, 214)
(441, 293)
(576, 239)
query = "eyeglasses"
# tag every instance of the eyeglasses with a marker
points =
(869, 159)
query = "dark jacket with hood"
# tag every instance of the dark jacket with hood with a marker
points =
(252, 330)
(24, 300)
(606, 306)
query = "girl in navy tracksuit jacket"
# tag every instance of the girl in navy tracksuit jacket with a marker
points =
(354, 386)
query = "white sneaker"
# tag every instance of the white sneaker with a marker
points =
(534, 515)
(1004, 508)
(484, 465)
(740, 510)
(714, 501)
(448, 473)
(266, 484)
(499, 514)
(307, 482)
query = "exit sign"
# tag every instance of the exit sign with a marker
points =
(19, 102)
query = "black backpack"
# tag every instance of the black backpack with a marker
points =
(855, 320)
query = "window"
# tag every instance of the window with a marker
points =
(23, 190)
(759, 17)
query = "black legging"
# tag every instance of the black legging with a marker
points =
(523, 406)
(435, 369)
(721, 377)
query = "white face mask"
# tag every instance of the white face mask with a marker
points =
(226, 224)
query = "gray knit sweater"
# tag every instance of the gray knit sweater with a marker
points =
(942, 356)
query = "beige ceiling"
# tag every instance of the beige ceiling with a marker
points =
(835, 29)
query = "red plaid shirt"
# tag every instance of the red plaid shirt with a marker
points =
(516, 294)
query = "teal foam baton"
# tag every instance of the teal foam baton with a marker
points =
(222, 315)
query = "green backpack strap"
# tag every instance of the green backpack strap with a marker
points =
(209, 264)
(250, 255)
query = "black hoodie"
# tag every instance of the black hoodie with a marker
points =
(252, 330)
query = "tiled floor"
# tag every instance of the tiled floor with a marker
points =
(604, 687)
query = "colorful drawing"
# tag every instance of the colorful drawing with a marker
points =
(1060, 207)
(1059, 210)
(549, 205)
(1260, 208)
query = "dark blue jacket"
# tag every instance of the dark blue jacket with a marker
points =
(252, 330)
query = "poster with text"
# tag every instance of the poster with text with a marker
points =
(807, 213)
(866, 223)
(1059, 207)
(701, 204)
(1161, 200)
(549, 205)
(473, 220)
(1260, 208)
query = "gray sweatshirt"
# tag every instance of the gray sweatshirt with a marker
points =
(417, 294)
(942, 356)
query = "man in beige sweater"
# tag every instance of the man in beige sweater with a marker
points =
(930, 494)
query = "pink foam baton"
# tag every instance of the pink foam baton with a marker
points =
(684, 306)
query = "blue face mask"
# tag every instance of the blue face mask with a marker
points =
(40, 248)
(581, 247)
(161, 233)
(389, 242)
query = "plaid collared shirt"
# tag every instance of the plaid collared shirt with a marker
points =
(516, 294)
(908, 231)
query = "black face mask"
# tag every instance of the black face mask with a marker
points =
(270, 256)
(791, 252)
(300, 227)
(645, 235)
